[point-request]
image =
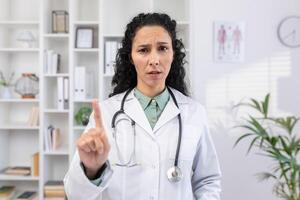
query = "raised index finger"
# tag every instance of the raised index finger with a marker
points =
(97, 114)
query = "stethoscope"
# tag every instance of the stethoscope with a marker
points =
(174, 174)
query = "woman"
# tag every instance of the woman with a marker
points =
(139, 160)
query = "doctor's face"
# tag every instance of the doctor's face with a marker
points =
(152, 56)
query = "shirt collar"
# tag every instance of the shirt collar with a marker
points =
(161, 99)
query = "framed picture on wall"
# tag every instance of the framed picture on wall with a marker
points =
(84, 37)
(229, 41)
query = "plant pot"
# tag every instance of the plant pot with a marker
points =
(85, 119)
(6, 93)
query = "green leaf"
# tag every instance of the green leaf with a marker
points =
(263, 176)
(252, 143)
(273, 141)
(242, 137)
(260, 130)
(284, 172)
(265, 105)
(287, 123)
(284, 144)
(255, 105)
(249, 128)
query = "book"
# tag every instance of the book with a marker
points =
(55, 139)
(51, 62)
(80, 83)
(36, 117)
(52, 138)
(27, 195)
(55, 68)
(54, 185)
(6, 192)
(54, 188)
(47, 138)
(90, 84)
(66, 93)
(19, 170)
(35, 165)
(111, 50)
(54, 193)
(33, 118)
(60, 93)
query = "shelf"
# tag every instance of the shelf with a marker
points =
(19, 127)
(183, 23)
(108, 75)
(34, 50)
(86, 22)
(56, 35)
(86, 50)
(19, 100)
(113, 36)
(57, 153)
(4, 177)
(83, 101)
(55, 111)
(79, 128)
(56, 75)
(19, 23)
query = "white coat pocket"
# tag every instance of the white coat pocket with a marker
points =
(189, 142)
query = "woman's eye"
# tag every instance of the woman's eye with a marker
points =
(163, 48)
(143, 50)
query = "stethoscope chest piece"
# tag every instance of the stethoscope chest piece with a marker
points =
(174, 174)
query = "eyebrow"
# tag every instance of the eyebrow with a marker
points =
(147, 45)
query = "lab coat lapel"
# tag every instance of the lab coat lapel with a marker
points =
(135, 111)
(168, 114)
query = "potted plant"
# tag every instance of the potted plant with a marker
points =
(275, 138)
(83, 114)
(6, 85)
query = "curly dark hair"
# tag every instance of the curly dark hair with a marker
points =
(125, 74)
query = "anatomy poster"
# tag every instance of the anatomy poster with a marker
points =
(229, 41)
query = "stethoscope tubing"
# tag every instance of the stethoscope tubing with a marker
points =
(180, 129)
(175, 173)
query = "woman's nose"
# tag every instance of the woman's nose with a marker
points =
(154, 59)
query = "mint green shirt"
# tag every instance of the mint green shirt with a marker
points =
(152, 107)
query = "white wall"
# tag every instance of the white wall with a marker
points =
(268, 67)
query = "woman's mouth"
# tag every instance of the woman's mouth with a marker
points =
(154, 74)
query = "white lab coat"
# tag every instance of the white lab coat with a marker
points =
(155, 152)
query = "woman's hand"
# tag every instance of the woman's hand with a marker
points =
(93, 146)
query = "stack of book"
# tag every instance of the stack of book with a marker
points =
(18, 171)
(6, 192)
(28, 195)
(52, 138)
(51, 62)
(54, 189)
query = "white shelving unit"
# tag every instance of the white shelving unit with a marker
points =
(18, 142)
